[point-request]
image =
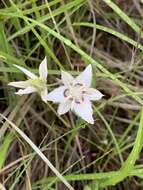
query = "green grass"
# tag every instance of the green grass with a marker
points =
(38, 148)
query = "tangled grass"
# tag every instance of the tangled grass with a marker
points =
(39, 150)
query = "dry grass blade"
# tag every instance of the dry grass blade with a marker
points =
(37, 150)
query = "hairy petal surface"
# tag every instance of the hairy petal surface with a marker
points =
(64, 107)
(27, 90)
(94, 94)
(44, 94)
(67, 79)
(28, 73)
(19, 84)
(57, 95)
(84, 110)
(43, 71)
(85, 77)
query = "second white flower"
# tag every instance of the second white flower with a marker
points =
(34, 83)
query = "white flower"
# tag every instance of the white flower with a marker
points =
(34, 83)
(76, 94)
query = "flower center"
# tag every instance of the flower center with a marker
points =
(75, 93)
(38, 83)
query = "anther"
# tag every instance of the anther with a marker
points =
(66, 93)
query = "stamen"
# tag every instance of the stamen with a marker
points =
(66, 93)
(84, 91)
(78, 85)
(79, 101)
(71, 99)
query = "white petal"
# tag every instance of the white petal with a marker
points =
(43, 71)
(57, 95)
(64, 107)
(27, 90)
(94, 94)
(19, 84)
(84, 110)
(85, 77)
(67, 78)
(44, 94)
(28, 73)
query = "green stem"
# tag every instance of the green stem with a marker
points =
(90, 176)
(129, 163)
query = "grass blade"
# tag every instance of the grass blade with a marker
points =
(38, 151)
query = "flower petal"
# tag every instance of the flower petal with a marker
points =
(27, 90)
(43, 71)
(64, 107)
(67, 78)
(57, 95)
(94, 94)
(44, 94)
(28, 73)
(85, 77)
(84, 110)
(19, 84)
